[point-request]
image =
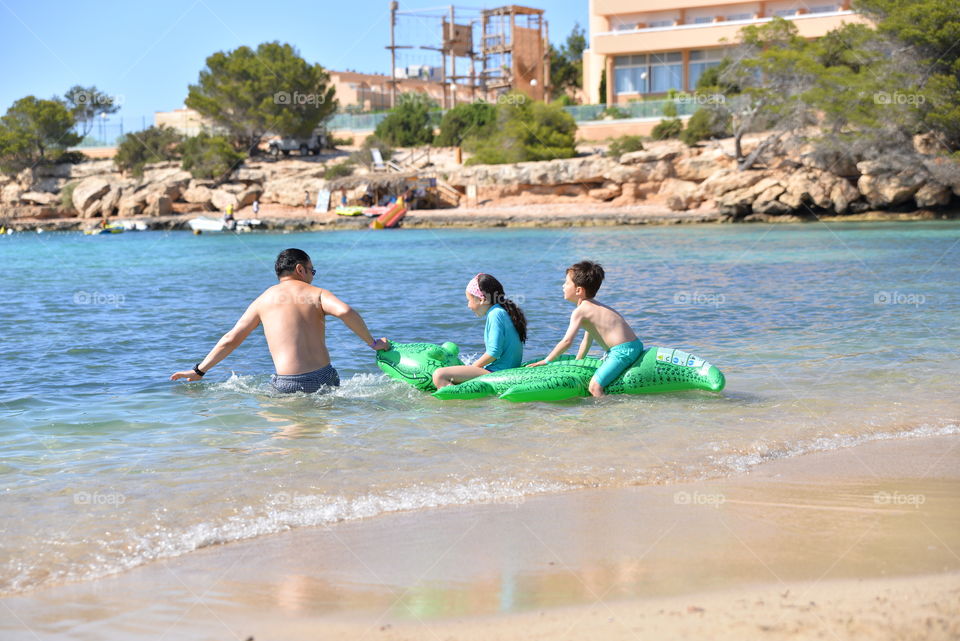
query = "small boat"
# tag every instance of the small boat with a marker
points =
(109, 229)
(207, 224)
(133, 225)
(349, 211)
(248, 224)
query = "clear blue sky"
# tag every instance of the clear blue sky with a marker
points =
(148, 52)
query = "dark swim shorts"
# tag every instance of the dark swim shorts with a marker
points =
(309, 382)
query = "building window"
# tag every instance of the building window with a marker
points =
(703, 20)
(824, 8)
(785, 13)
(666, 72)
(739, 16)
(661, 23)
(656, 73)
(700, 61)
(630, 74)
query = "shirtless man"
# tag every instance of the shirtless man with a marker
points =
(293, 314)
(602, 323)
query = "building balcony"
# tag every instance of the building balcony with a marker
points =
(703, 35)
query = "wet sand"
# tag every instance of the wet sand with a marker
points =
(859, 543)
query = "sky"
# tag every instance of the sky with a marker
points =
(146, 53)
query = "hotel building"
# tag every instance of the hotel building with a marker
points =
(648, 47)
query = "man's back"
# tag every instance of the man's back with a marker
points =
(293, 323)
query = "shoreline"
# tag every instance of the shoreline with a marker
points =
(853, 543)
(556, 215)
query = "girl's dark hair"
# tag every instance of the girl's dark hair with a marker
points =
(493, 292)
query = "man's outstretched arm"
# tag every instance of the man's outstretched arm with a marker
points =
(336, 307)
(227, 343)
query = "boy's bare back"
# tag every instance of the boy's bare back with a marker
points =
(607, 327)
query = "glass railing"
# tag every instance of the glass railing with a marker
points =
(581, 113)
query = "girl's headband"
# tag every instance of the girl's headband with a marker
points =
(473, 288)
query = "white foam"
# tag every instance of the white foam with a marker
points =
(764, 452)
(278, 512)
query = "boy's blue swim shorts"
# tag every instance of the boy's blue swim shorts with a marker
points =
(616, 360)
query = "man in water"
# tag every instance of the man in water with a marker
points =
(293, 313)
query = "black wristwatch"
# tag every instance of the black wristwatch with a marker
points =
(199, 372)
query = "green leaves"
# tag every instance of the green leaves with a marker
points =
(154, 144)
(33, 131)
(463, 121)
(566, 64)
(410, 123)
(271, 90)
(210, 157)
(86, 103)
(525, 130)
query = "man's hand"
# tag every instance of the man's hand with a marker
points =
(380, 344)
(538, 363)
(188, 374)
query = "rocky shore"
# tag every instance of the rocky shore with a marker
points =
(666, 183)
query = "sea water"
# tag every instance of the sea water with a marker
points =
(829, 336)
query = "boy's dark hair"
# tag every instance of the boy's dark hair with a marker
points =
(493, 292)
(587, 274)
(288, 259)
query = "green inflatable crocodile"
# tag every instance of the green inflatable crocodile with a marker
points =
(659, 369)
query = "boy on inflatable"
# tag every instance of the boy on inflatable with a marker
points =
(602, 323)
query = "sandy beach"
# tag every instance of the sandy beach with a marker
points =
(857, 543)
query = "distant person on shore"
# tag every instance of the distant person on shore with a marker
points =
(602, 323)
(293, 313)
(256, 207)
(504, 334)
(229, 222)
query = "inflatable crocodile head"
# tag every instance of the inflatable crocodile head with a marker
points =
(414, 363)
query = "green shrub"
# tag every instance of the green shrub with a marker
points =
(338, 170)
(705, 124)
(614, 112)
(72, 157)
(525, 130)
(66, 195)
(341, 142)
(154, 144)
(624, 144)
(209, 157)
(410, 123)
(463, 121)
(34, 132)
(667, 128)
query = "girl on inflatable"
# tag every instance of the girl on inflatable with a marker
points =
(503, 336)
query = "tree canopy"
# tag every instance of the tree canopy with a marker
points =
(249, 93)
(154, 144)
(410, 123)
(469, 119)
(35, 131)
(566, 64)
(87, 103)
(525, 130)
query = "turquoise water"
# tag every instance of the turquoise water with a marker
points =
(829, 336)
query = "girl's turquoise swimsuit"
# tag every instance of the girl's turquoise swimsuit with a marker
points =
(616, 360)
(501, 340)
